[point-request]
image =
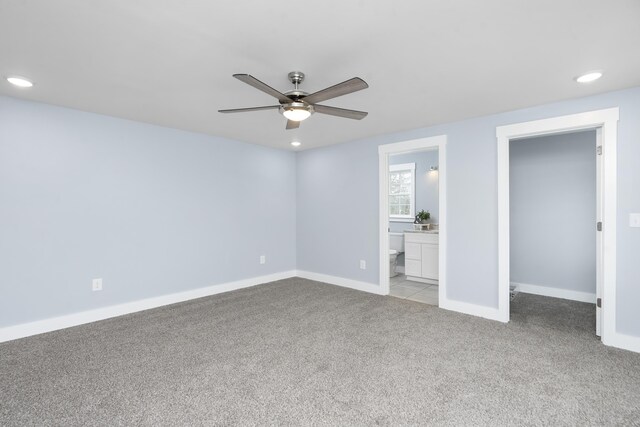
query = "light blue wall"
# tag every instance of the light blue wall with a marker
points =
(553, 211)
(426, 184)
(338, 203)
(155, 210)
(337, 206)
(150, 210)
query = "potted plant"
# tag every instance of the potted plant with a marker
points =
(423, 216)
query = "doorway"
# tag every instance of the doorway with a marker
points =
(553, 211)
(432, 174)
(413, 226)
(604, 123)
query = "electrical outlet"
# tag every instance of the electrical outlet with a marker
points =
(634, 220)
(263, 259)
(363, 264)
(96, 284)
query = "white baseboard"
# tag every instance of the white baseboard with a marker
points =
(340, 281)
(472, 309)
(555, 292)
(9, 333)
(423, 280)
(625, 342)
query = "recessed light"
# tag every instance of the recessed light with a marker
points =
(589, 77)
(296, 143)
(19, 81)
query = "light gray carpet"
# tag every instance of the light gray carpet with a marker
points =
(297, 352)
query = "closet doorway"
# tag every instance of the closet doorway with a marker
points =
(603, 123)
(553, 212)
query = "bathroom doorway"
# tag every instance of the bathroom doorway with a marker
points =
(412, 220)
(413, 226)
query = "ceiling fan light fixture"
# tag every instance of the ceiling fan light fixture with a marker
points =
(297, 111)
(296, 115)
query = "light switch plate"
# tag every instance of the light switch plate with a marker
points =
(363, 264)
(634, 220)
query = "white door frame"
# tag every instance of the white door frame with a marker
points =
(605, 122)
(384, 151)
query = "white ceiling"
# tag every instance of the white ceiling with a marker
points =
(426, 61)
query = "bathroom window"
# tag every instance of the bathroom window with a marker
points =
(402, 190)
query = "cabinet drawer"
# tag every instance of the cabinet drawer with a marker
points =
(413, 267)
(421, 237)
(430, 261)
(412, 251)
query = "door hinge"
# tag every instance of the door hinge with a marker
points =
(599, 150)
(599, 302)
(599, 225)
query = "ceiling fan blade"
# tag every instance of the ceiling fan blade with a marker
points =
(292, 125)
(252, 81)
(352, 85)
(340, 112)
(244, 110)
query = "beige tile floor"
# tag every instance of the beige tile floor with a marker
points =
(425, 293)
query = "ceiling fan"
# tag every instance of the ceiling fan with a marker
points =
(297, 105)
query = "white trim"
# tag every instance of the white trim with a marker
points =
(383, 219)
(472, 309)
(607, 120)
(9, 333)
(599, 237)
(341, 281)
(555, 292)
(404, 218)
(402, 167)
(626, 342)
(422, 280)
(435, 142)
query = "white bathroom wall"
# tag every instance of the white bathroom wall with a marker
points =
(553, 213)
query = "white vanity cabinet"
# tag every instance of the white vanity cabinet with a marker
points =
(421, 256)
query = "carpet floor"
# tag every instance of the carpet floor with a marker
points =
(298, 352)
